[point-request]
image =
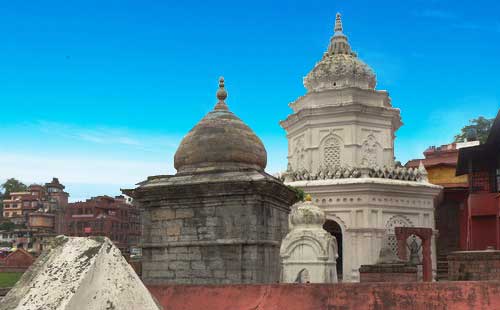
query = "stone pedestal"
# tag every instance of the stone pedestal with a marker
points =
(474, 265)
(397, 272)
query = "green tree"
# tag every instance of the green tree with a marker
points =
(10, 186)
(478, 127)
(299, 193)
(7, 226)
(13, 185)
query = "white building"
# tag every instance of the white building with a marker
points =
(341, 151)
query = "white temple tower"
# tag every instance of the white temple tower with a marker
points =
(341, 151)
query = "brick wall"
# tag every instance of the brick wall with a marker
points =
(359, 296)
(474, 265)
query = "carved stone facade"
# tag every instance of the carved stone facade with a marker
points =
(346, 129)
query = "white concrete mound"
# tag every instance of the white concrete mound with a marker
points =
(80, 274)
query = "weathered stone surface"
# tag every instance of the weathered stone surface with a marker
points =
(220, 141)
(79, 273)
(225, 206)
(231, 232)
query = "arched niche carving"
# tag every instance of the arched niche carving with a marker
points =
(338, 220)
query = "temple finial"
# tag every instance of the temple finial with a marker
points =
(338, 23)
(221, 95)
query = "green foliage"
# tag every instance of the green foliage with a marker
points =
(10, 186)
(7, 226)
(9, 279)
(13, 185)
(300, 194)
(479, 126)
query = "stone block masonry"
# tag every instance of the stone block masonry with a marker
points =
(474, 266)
(388, 273)
(214, 232)
(221, 218)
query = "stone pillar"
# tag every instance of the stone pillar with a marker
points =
(402, 234)
(426, 260)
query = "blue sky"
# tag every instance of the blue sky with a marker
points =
(100, 93)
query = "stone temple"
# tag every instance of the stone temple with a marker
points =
(221, 218)
(341, 151)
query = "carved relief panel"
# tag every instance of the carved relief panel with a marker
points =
(299, 153)
(371, 152)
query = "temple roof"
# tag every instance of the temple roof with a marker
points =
(220, 142)
(340, 66)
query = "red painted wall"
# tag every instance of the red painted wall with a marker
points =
(359, 296)
(483, 229)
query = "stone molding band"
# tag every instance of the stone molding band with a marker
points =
(210, 243)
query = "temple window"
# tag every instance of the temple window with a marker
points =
(331, 152)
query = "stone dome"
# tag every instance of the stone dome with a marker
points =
(220, 142)
(340, 67)
(307, 214)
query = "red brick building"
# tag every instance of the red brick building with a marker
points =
(105, 216)
(49, 198)
(482, 164)
(451, 217)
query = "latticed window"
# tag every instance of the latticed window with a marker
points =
(331, 153)
(395, 221)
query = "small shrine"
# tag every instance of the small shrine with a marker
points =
(341, 137)
(308, 252)
(221, 218)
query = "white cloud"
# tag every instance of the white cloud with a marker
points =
(102, 135)
(33, 168)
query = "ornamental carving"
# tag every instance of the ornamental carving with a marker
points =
(369, 152)
(299, 153)
(340, 70)
(331, 149)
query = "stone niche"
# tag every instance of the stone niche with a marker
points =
(221, 218)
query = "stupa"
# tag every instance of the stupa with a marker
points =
(221, 218)
(341, 151)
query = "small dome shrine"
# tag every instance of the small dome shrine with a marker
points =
(220, 142)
